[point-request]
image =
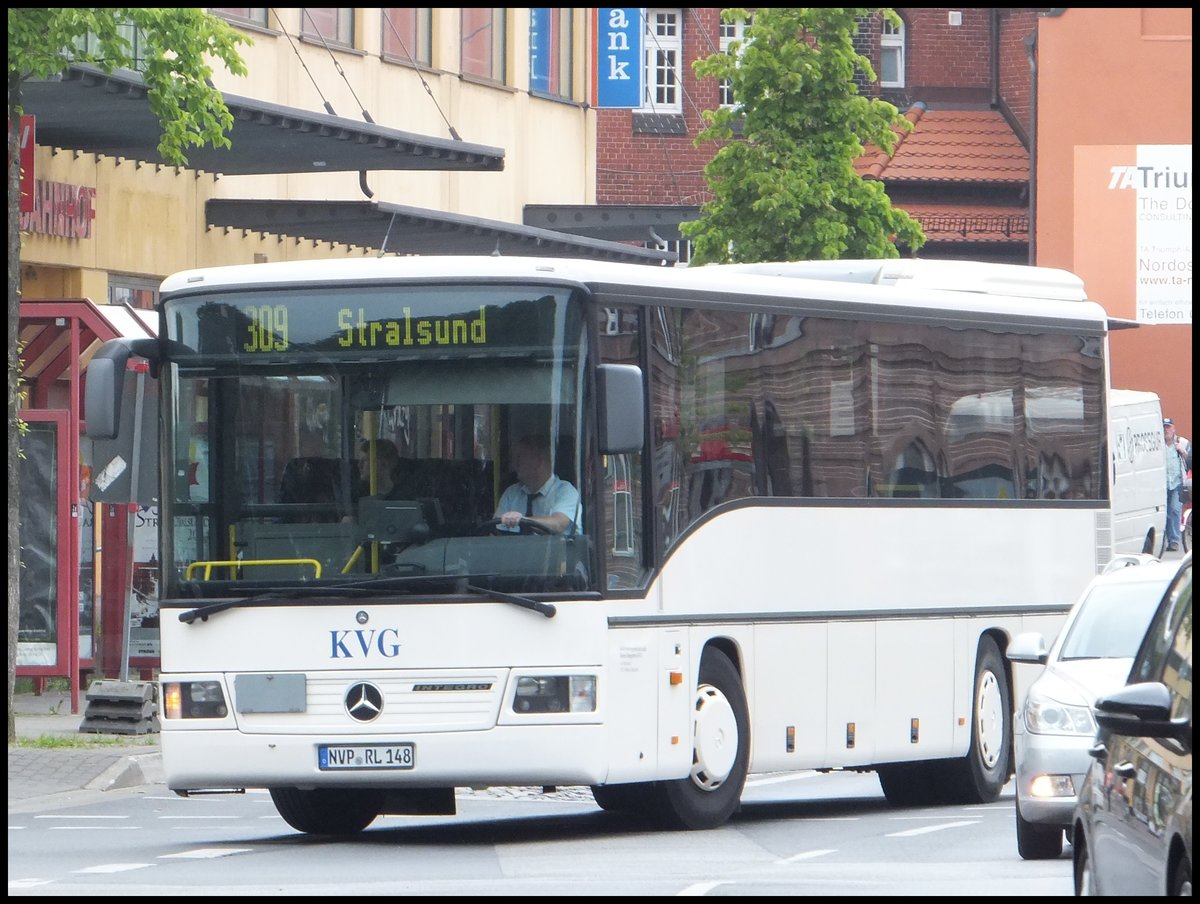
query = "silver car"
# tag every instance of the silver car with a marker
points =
(1054, 728)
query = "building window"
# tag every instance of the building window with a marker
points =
(891, 56)
(551, 51)
(730, 32)
(407, 34)
(134, 291)
(664, 49)
(239, 14)
(682, 248)
(89, 43)
(483, 37)
(335, 26)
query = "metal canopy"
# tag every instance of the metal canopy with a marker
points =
(85, 110)
(615, 222)
(397, 229)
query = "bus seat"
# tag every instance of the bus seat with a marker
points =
(313, 481)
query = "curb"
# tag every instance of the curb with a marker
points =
(129, 772)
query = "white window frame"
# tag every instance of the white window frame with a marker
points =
(730, 32)
(891, 42)
(663, 36)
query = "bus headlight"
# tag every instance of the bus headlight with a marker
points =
(555, 694)
(194, 700)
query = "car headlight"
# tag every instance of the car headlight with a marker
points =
(1046, 716)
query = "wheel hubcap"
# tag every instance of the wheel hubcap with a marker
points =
(989, 719)
(715, 744)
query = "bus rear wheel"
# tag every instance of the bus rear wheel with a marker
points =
(710, 794)
(912, 784)
(328, 811)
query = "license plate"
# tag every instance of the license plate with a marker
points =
(366, 756)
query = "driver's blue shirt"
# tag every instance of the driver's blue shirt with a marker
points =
(555, 495)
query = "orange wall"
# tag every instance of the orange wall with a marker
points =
(1113, 77)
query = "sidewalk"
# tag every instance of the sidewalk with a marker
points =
(97, 762)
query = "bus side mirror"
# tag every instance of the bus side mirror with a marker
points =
(621, 408)
(106, 384)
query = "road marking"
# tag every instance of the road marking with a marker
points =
(925, 829)
(82, 816)
(95, 828)
(114, 868)
(201, 817)
(776, 779)
(205, 853)
(28, 883)
(807, 855)
(700, 889)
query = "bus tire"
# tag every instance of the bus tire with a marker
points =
(911, 784)
(328, 811)
(980, 776)
(710, 794)
(634, 799)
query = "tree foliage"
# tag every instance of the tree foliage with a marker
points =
(174, 50)
(174, 46)
(783, 183)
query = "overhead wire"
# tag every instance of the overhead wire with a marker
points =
(416, 68)
(336, 65)
(279, 22)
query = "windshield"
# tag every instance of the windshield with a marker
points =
(1112, 620)
(323, 435)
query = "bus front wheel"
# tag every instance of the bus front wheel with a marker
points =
(981, 774)
(328, 811)
(711, 792)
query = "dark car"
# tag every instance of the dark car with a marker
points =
(1132, 828)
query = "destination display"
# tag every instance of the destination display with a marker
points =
(278, 325)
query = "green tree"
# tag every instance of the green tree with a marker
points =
(175, 47)
(786, 188)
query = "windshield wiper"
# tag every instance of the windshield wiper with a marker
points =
(369, 586)
(547, 609)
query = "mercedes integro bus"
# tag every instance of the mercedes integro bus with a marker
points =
(814, 501)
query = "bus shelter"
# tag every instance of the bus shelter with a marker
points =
(74, 553)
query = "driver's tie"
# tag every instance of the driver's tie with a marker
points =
(529, 504)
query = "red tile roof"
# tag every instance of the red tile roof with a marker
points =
(951, 146)
(975, 147)
(953, 222)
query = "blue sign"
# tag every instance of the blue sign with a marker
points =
(539, 49)
(618, 56)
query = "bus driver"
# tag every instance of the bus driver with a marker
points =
(539, 495)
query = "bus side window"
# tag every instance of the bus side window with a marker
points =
(624, 538)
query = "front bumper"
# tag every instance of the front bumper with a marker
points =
(1059, 755)
(505, 755)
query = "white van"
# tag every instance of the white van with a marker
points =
(1137, 477)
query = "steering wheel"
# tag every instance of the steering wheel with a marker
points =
(525, 526)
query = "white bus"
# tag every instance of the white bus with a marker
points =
(815, 501)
